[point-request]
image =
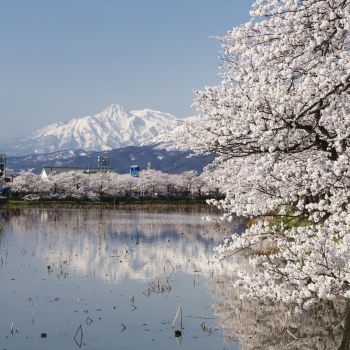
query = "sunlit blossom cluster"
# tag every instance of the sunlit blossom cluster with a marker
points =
(280, 123)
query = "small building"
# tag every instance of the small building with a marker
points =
(54, 170)
(135, 171)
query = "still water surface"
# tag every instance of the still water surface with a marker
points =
(120, 275)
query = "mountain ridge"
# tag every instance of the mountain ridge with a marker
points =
(112, 128)
(120, 160)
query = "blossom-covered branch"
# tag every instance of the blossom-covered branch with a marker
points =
(280, 123)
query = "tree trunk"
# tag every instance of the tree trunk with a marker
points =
(345, 343)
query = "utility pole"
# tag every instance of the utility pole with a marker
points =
(2, 165)
(103, 162)
(2, 170)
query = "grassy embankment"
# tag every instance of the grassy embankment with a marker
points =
(145, 204)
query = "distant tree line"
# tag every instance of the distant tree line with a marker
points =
(109, 185)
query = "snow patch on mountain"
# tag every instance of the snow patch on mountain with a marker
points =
(114, 127)
(167, 139)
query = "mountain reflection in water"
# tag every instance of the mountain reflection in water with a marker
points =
(106, 270)
(96, 242)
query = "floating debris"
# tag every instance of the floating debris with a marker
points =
(13, 330)
(178, 333)
(157, 287)
(172, 272)
(206, 328)
(178, 312)
(78, 337)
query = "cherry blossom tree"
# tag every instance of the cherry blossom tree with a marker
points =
(152, 183)
(73, 184)
(280, 123)
(30, 183)
(127, 185)
(79, 185)
(101, 184)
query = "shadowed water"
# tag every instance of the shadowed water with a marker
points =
(120, 275)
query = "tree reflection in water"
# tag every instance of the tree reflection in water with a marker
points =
(4, 218)
(114, 245)
(265, 325)
(93, 242)
(120, 267)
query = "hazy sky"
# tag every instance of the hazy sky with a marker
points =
(61, 59)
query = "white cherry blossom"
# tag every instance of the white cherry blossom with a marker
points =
(280, 124)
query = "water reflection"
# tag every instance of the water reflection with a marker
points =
(123, 244)
(120, 275)
(265, 325)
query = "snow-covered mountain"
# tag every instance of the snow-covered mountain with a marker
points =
(167, 139)
(114, 127)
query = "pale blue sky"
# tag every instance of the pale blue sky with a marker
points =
(61, 59)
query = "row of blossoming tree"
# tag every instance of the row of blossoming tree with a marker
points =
(280, 122)
(150, 183)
